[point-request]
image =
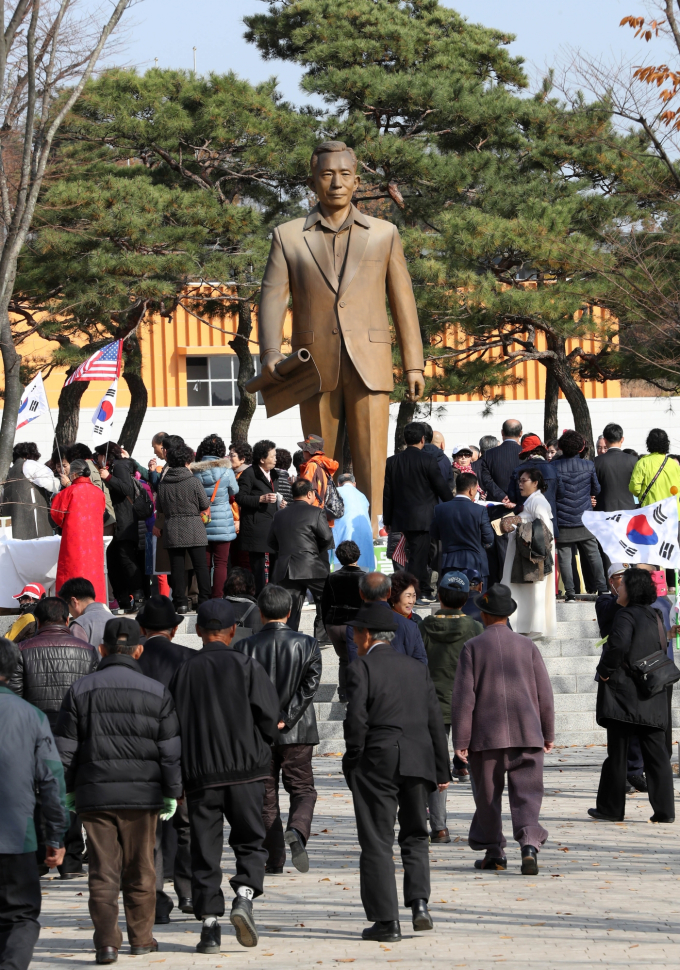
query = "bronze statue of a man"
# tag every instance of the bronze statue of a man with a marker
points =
(338, 264)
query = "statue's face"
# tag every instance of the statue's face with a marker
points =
(334, 179)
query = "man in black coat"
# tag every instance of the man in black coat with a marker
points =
(340, 603)
(293, 662)
(161, 658)
(301, 537)
(435, 445)
(228, 712)
(396, 754)
(613, 470)
(119, 782)
(497, 464)
(413, 486)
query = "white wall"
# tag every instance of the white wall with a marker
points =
(460, 422)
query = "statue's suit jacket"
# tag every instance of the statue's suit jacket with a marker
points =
(323, 310)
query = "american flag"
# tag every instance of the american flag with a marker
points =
(104, 365)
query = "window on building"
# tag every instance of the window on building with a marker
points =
(211, 381)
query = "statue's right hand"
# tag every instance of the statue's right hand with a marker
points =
(269, 362)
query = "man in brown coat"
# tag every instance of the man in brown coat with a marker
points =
(502, 722)
(339, 264)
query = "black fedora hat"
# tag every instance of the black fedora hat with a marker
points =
(158, 613)
(372, 616)
(497, 601)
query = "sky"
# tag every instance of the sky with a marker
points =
(170, 29)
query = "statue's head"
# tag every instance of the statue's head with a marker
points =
(333, 177)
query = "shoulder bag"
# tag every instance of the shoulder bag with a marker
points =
(656, 672)
(646, 491)
(206, 514)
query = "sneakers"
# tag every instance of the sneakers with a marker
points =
(211, 939)
(242, 920)
(297, 850)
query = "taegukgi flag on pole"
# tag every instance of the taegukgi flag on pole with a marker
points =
(648, 534)
(102, 419)
(33, 402)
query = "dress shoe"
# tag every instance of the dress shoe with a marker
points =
(186, 904)
(138, 951)
(182, 609)
(491, 862)
(161, 919)
(439, 837)
(593, 812)
(460, 774)
(639, 782)
(384, 931)
(211, 939)
(273, 870)
(241, 917)
(72, 875)
(297, 850)
(658, 819)
(106, 954)
(529, 860)
(421, 916)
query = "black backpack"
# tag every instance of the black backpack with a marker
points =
(142, 506)
(333, 502)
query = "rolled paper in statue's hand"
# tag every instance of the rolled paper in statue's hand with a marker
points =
(284, 368)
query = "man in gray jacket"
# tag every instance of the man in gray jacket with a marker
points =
(502, 722)
(89, 616)
(28, 761)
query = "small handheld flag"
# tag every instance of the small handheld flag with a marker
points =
(33, 402)
(102, 419)
(103, 365)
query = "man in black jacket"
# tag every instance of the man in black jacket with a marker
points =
(161, 658)
(293, 662)
(49, 663)
(301, 537)
(497, 464)
(118, 781)
(613, 470)
(340, 602)
(228, 712)
(396, 754)
(413, 485)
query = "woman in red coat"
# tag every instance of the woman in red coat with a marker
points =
(79, 512)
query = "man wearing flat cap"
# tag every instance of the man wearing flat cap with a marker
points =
(228, 712)
(396, 753)
(119, 782)
(502, 723)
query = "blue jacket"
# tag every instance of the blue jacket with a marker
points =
(209, 471)
(465, 532)
(407, 638)
(444, 462)
(576, 482)
(550, 476)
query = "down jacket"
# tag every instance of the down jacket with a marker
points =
(576, 482)
(209, 472)
(118, 737)
(182, 498)
(293, 663)
(49, 663)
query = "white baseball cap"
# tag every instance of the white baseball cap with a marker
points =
(617, 568)
(458, 448)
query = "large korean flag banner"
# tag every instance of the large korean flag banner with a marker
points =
(648, 534)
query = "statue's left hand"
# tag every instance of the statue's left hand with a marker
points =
(416, 384)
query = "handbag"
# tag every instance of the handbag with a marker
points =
(656, 672)
(206, 514)
(333, 502)
(142, 506)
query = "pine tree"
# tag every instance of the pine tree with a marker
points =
(494, 225)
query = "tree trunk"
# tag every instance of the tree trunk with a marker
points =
(139, 399)
(66, 431)
(13, 391)
(240, 426)
(552, 395)
(407, 410)
(576, 399)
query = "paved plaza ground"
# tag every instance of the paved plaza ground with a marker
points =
(606, 895)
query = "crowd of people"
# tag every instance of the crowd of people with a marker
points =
(125, 751)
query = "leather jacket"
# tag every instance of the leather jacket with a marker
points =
(48, 664)
(293, 662)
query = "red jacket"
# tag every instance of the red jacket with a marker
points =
(79, 512)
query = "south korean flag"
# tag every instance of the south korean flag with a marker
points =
(648, 534)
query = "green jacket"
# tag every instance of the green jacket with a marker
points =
(444, 634)
(645, 470)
